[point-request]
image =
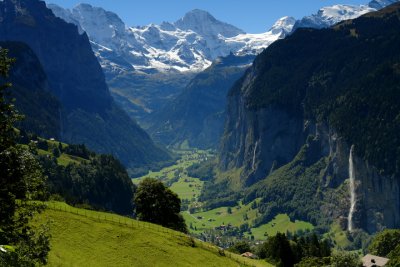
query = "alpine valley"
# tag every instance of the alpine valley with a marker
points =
(149, 69)
(194, 143)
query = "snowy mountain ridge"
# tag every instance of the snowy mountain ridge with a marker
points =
(192, 42)
(189, 44)
(328, 16)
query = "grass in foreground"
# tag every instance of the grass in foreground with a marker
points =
(84, 238)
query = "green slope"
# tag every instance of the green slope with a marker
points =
(88, 238)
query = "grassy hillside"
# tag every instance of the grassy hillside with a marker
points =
(88, 238)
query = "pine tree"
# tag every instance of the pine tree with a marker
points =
(21, 180)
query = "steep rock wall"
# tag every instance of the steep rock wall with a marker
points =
(295, 114)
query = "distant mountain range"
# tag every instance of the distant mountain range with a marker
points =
(189, 44)
(192, 42)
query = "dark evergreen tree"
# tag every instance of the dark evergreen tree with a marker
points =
(240, 247)
(278, 250)
(21, 180)
(284, 252)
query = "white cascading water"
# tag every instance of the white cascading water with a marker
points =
(254, 156)
(352, 190)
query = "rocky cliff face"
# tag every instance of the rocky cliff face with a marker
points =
(260, 141)
(378, 202)
(30, 89)
(377, 196)
(293, 117)
(76, 78)
(74, 73)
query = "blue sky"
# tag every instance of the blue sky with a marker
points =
(253, 16)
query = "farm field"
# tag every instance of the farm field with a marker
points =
(280, 224)
(220, 216)
(176, 176)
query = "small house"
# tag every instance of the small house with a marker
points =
(374, 261)
(249, 255)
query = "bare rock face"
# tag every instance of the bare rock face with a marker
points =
(261, 140)
(378, 199)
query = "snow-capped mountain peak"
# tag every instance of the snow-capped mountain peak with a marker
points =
(337, 13)
(379, 4)
(255, 43)
(328, 16)
(204, 23)
(102, 25)
(283, 25)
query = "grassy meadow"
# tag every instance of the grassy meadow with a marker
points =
(89, 238)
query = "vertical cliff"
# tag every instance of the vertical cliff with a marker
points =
(30, 89)
(295, 114)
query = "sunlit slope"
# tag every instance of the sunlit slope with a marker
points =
(87, 238)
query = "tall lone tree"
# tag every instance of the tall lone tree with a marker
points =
(157, 204)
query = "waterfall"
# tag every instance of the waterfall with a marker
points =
(254, 156)
(352, 190)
